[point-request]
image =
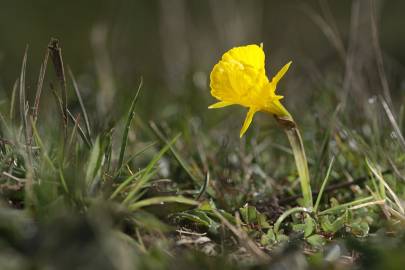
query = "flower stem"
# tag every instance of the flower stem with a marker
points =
(294, 137)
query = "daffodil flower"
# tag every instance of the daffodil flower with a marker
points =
(240, 78)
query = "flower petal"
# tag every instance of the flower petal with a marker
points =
(248, 121)
(220, 104)
(279, 75)
(250, 55)
(275, 107)
(229, 82)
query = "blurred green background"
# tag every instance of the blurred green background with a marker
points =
(174, 44)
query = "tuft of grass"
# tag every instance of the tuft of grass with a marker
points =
(195, 199)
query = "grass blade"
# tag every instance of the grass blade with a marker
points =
(130, 116)
(95, 162)
(41, 146)
(377, 173)
(394, 124)
(56, 55)
(345, 206)
(40, 85)
(82, 107)
(23, 107)
(325, 180)
(160, 200)
(147, 174)
(204, 186)
(134, 156)
(181, 161)
(12, 102)
(81, 131)
(125, 183)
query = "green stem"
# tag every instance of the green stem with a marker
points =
(294, 137)
(288, 213)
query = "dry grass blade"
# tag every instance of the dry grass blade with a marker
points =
(328, 30)
(379, 202)
(23, 107)
(378, 53)
(82, 107)
(56, 56)
(394, 124)
(376, 172)
(243, 238)
(398, 215)
(349, 77)
(58, 100)
(40, 86)
(81, 131)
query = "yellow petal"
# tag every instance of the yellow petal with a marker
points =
(275, 107)
(248, 121)
(280, 75)
(220, 104)
(250, 55)
(238, 85)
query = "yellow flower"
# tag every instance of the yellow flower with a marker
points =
(240, 78)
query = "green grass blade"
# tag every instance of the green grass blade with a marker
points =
(197, 180)
(204, 186)
(147, 174)
(125, 183)
(160, 200)
(134, 156)
(24, 109)
(345, 206)
(41, 145)
(130, 116)
(94, 163)
(12, 102)
(325, 180)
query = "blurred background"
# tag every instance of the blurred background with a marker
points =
(173, 45)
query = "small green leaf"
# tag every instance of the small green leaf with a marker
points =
(269, 238)
(360, 228)
(207, 206)
(248, 213)
(281, 238)
(298, 227)
(309, 226)
(316, 240)
(332, 227)
(262, 221)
